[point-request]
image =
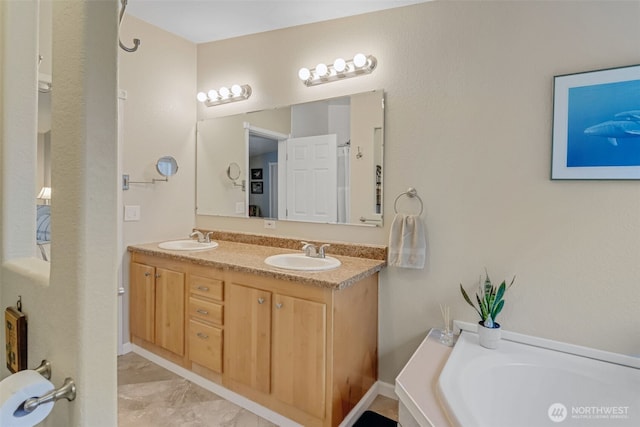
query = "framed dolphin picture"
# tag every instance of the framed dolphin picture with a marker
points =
(596, 125)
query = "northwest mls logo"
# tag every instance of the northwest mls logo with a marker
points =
(557, 412)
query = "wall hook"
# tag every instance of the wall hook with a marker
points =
(359, 155)
(136, 42)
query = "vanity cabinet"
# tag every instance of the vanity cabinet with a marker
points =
(301, 348)
(277, 344)
(307, 352)
(157, 305)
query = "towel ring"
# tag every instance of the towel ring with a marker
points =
(410, 193)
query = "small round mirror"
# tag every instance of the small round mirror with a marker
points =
(167, 166)
(233, 171)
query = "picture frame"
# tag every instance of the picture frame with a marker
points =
(256, 173)
(596, 125)
(256, 187)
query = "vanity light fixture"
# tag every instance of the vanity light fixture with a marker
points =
(340, 69)
(224, 95)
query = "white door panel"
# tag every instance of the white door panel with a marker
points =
(311, 178)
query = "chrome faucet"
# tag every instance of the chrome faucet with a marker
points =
(309, 249)
(312, 250)
(202, 238)
(321, 253)
(199, 234)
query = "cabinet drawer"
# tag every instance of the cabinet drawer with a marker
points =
(205, 345)
(206, 287)
(209, 311)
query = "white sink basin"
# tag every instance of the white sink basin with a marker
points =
(301, 262)
(187, 245)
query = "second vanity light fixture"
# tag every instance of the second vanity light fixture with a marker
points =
(224, 95)
(340, 69)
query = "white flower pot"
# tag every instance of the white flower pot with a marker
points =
(489, 337)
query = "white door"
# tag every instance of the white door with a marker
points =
(273, 190)
(311, 178)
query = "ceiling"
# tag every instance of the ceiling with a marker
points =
(209, 20)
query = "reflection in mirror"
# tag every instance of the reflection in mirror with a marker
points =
(316, 162)
(167, 166)
(233, 172)
(43, 190)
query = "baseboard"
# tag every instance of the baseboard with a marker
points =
(221, 391)
(379, 388)
(387, 390)
(126, 348)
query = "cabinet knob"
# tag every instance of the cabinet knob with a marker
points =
(157, 275)
(278, 305)
(201, 335)
(260, 300)
(201, 311)
(147, 274)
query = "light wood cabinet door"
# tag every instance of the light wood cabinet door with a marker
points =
(142, 301)
(170, 294)
(248, 336)
(299, 353)
(205, 345)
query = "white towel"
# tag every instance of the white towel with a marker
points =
(407, 243)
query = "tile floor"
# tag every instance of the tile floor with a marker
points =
(151, 396)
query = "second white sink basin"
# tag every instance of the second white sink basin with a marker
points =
(301, 262)
(187, 245)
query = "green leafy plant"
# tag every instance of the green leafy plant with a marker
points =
(489, 299)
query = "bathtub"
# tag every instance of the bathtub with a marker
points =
(534, 382)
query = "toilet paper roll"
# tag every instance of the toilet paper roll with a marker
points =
(17, 388)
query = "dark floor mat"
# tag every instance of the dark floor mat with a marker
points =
(372, 419)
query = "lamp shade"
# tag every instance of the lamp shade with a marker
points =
(45, 193)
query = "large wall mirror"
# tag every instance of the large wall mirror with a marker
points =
(321, 161)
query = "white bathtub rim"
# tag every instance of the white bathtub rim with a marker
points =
(574, 349)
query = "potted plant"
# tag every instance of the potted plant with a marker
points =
(490, 301)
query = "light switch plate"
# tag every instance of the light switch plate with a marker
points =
(239, 207)
(132, 213)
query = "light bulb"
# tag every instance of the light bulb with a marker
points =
(359, 60)
(339, 65)
(321, 70)
(213, 94)
(304, 74)
(236, 90)
(224, 92)
(201, 96)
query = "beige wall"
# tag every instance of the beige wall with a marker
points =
(468, 123)
(158, 118)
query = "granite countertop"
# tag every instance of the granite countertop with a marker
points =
(249, 258)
